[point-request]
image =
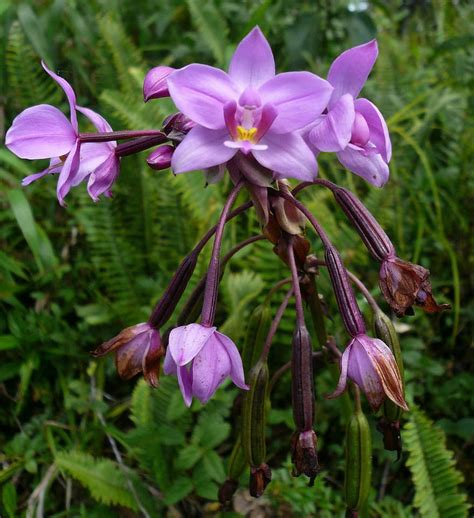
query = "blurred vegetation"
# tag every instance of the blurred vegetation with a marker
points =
(71, 278)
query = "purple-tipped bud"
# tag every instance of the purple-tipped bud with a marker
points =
(304, 454)
(372, 234)
(392, 439)
(345, 297)
(259, 479)
(404, 284)
(302, 379)
(177, 126)
(160, 158)
(137, 349)
(155, 85)
(227, 490)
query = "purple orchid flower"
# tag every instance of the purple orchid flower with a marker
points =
(354, 128)
(202, 358)
(248, 110)
(44, 132)
(370, 364)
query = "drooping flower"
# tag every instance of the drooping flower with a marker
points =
(404, 284)
(44, 132)
(352, 127)
(202, 358)
(248, 110)
(137, 349)
(370, 364)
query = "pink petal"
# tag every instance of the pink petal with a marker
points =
(371, 167)
(103, 177)
(169, 365)
(237, 369)
(210, 368)
(342, 383)
(200, 92)
(333, 133)
(55, 166)
(201, 148)
(185, 342)
(68, 172)
(288, 155)
(71, 96)
(252, 63)
(40, 132)
(98, 121)
(362, 371)
(379, 135)
(92, 156)
(350, 70)
(185, 384)
(299, 98)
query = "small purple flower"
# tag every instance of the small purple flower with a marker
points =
(137, 349)
(202, 358)
(370, 364)
(155, 85)
(44, 132)
(352, 127)
(248, 110)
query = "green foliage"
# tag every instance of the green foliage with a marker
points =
(435, 476)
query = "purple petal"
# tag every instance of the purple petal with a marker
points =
(55, 166)
(342, 383)
(185, 385)
(371, 167)
(40, 132)
(379, 135)
(252, 63)
(98, 121)
(91, 157)
(185, 342)
(350, 70)
(299, 98)
(201, 148)
(237, 369)
(169, 365)
(68, 172)
(210, 368)
(103, 177)
(71, 96)
(333, 133)
(155, 85)
(288, 155)
(361, 370)
(200, 92)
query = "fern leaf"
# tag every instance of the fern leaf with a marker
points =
(434, 474)
(104, 478)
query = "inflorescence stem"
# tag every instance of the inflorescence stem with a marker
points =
(119, 135)
(296, 284)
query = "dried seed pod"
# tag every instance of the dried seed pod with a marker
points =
(358, 461)
(254, 415)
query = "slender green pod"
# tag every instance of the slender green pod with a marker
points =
(257, 330)
(358, 461)
(254, 415)
(237, 460)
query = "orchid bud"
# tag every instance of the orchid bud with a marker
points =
(155, 85)
(358, 471)
(344, 293)
(404, 284)
(160, 158)
(177, 126)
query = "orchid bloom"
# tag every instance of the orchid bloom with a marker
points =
(202, 358)
(248, 110)
(44, 132)
(352, 127)
(370, 364)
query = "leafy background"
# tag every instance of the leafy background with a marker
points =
(77, 441)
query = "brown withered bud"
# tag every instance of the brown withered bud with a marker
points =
(137, 349)
(304, 455)
(259, 479)
(392, 439)
(404, 284)
(301, 248)
(350, 513)
(289, 218)
(227, 490)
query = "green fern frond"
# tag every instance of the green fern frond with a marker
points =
(104, 478)
(436, 479)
